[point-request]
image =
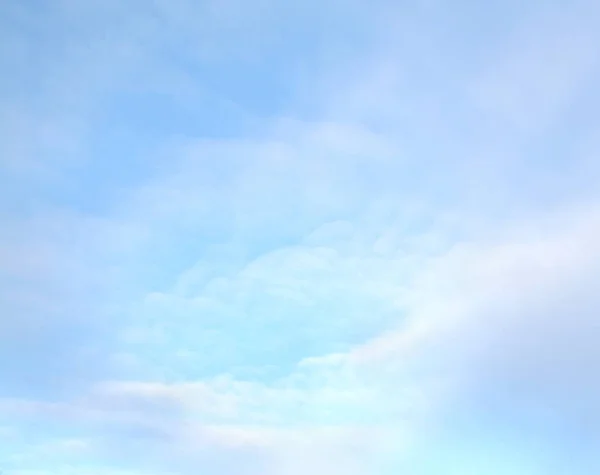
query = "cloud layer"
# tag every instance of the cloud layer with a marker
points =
(326, 238)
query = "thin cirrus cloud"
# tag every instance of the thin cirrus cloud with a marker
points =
(275, 238)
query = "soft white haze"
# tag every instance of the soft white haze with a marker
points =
(299, 238)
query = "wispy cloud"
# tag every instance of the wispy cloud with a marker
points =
(276, 238)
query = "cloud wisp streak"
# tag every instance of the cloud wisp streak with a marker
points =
(268, 238)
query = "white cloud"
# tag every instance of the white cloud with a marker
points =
(501, 341)
(500, 332)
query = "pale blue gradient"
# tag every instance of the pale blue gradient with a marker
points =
(299, 237)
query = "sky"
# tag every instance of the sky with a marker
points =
(284, 238)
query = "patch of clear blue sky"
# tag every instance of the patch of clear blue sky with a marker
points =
(172, 92)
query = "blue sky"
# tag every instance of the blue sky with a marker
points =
(299, 237)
